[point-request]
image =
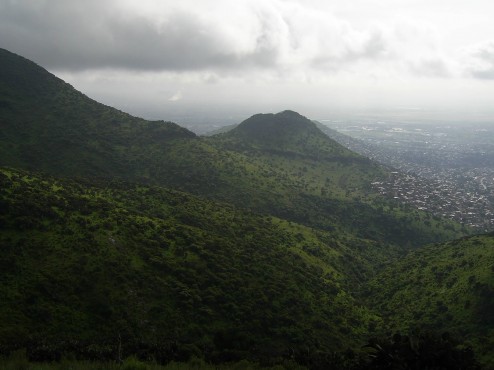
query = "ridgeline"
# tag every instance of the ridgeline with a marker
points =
(121, 236)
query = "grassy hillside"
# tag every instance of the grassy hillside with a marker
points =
(45, 124)
(289, 133)
(276, 164)
(153, 266)
(147, 238)
(284, 161)
(443, 287)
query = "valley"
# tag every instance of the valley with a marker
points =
(269, 243)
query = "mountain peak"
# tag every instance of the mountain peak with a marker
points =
(274, 128)
(287, 132)
(290, 113)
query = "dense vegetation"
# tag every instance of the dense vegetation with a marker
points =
(279, 164)
(300, 174)
(442, 287)
(154, 267)
(120, 237)
(419, 351)
(45, 124)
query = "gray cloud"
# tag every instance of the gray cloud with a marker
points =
(75, 36)
(225, 39)
(374, 47)
(434, 67)
(482, 61)
(486, 74)
(69, 36)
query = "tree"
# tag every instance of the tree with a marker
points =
(420, 351)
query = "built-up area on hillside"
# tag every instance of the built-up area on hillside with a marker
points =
(446, 169)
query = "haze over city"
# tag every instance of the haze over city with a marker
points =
(170, 59)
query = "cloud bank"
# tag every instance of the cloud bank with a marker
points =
(147, 55)
(282, 36)
(481, 61)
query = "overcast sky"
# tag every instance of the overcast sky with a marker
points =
(156, 57)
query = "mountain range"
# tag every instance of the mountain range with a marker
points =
(261, 242)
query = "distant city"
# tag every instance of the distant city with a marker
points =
(443, 168)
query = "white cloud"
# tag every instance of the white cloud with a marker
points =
(479, 60)
(238, 52)
(176, 97)
(433, 67)
(219, 36)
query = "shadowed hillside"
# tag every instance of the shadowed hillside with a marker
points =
(121, 234)
(278, 164)
(290, 133)
(45, 124)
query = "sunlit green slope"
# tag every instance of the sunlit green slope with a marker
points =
(444, 287)
(238, 245)
(147, 264)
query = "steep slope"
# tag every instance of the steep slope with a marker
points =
(288, 132)
(295, 171)
(444, 287)
(268, 254)
(87, 265)
(288, 169)
(45, 124)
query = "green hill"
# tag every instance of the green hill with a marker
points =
(289, 133)
(442, 287)
(284, 165)
(241, 245)
(150, 265)
(278, 164)
(45, 124)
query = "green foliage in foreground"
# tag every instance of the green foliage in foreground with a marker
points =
(420, 351)
(153, 269)
(19, 361)
(442, 287)
(110, 270)
(121, 266)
